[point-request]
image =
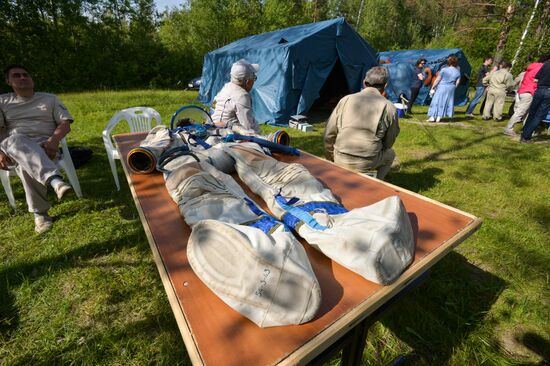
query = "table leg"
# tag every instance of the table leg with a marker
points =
(352, 353)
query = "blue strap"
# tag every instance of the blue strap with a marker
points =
(229, 138)
(253, 207)
(200, 141)
(171, 154)
(297, 213)
(265, 221)
(265, 224)
(302, 213)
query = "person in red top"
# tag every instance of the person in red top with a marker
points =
(540, 106)
(525, 94)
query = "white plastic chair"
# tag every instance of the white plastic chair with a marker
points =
(139, 119)
(65, 162)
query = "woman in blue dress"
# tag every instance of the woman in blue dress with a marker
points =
(443, 91)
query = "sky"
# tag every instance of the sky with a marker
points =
(161, 4)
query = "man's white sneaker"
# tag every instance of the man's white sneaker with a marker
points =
(42, 223)
(62, 190)
(510, 132)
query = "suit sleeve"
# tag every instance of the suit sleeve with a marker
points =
(244, 114)
(390, 119)
(487, 79)
(510, 83)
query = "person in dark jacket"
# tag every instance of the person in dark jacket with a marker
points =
(480, 88)
(418, 82)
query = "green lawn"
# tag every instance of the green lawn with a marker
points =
(88, 292)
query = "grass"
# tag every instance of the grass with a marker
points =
(88, 292)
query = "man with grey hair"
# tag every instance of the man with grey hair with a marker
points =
(363, 127)
(233, 104)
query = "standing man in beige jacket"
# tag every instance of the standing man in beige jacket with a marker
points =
(363, 127)
(498, 83)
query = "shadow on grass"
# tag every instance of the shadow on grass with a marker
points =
(415, 182)
(318, 116)
(116, 337)
(15, 275)
(537, 345)
(312, 144)
(461, 143)
(450, 304)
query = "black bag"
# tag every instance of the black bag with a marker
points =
(80, 155)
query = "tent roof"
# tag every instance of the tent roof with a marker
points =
(287, 36)
(294, 63)
(411, 56)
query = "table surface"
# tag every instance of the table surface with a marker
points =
(215, 334)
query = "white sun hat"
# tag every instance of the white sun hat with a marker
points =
(243, 69)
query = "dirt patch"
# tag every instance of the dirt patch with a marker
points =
(417, 154)
(435, 124)
(516, 343)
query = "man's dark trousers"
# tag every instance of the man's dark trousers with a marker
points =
(538, 110)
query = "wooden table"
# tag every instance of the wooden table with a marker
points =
(215, 334)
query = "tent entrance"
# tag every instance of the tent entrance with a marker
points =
(334, 88)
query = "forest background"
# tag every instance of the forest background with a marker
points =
(75, 45)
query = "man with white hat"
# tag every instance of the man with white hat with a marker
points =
(233, 104)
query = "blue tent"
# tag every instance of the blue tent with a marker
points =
(402, 75)
(436, 59)
(295, 64)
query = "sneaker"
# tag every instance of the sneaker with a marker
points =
(431, 119)
(469, 115)
(42, 223)
(62, 190)
(510, 132)
(523, 141)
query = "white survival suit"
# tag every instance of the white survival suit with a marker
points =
(251, 260)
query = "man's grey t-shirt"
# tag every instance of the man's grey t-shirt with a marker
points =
(37, 116)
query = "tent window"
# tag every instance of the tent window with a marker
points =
(333, 90)
(282, 40)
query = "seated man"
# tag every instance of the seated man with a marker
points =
(34, 124)
(363, 127)
(233, 105)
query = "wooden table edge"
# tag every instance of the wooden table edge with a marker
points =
(185, 329)
(342, 325)
(352, 318)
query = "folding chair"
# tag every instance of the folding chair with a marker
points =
(65, 162)
(139, 119)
